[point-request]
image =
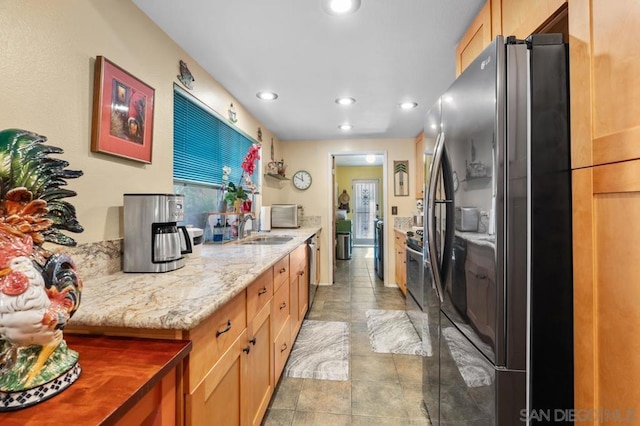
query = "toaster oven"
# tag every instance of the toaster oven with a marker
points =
(285, 215)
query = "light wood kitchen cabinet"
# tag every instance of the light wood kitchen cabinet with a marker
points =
(521, 18)
(477, 37)
(217, 399)
(419, 159)
(259, 378)
(400, 261)
(605, 93)
(213, 338)
(299, 281)
(239, 382)
(606, 293)
(281, 325)
(605, 128)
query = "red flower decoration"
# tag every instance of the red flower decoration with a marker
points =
(248, 165)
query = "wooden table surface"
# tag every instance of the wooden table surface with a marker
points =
(116, 373)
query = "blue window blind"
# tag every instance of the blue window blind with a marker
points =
(203, 143)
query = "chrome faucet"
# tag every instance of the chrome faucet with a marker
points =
(242, 224)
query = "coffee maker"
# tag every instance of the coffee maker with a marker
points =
(153, 242)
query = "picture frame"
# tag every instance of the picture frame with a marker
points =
(401, 178)
(123, 108)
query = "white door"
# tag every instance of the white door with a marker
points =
(365, 207)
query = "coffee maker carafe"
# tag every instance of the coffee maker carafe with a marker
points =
(153, 242)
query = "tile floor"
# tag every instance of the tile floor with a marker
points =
(383, 389)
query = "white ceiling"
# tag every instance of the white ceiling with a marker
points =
(388, 52)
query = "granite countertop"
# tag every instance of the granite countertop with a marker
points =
(180, 299)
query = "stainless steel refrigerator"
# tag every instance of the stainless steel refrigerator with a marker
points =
(498, 317)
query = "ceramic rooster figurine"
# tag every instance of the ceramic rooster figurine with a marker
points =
(39, 290)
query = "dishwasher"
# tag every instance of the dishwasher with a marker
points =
(312, 255)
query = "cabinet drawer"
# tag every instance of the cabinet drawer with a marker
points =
(280, 272)
(298, 258)
(213, 337)
(282, 348)
(280, 309)
(259, 293)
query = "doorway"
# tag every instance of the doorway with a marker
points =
(342, 171)
(365, 210)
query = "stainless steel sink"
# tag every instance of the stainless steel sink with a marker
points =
(266, 240)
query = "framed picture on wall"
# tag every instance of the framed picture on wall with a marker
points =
(401, 178)
(122, 113)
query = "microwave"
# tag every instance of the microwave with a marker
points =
(285, 215)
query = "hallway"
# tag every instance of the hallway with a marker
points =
(383, 389)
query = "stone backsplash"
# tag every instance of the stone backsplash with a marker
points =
(403, 222)
(105, 257)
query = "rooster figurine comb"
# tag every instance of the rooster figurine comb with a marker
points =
(39, 290)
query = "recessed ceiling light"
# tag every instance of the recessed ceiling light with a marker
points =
(345, 101)
(340, 7)
(370, 159)
(408, 105)
(345, 126)
(267, 96)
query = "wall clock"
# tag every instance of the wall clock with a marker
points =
(302, 179)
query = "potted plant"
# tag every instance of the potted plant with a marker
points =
(235, 195)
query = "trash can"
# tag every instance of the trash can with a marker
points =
(343, 245)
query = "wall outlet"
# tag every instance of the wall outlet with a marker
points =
(394, 210)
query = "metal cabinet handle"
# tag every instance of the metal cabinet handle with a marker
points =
(263, 291)
(284, 347)
(283, 270)
(246, 349)
(283, 305)
(301, 273)
(219, 332)
(253, 341)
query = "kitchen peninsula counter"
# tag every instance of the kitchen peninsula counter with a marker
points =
(180, 299)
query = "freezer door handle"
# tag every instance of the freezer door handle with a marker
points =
(431, 218)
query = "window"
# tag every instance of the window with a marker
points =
(203, 143)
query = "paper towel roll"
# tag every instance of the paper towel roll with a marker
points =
(265, 218)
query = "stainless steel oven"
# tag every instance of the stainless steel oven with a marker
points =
(415, 287)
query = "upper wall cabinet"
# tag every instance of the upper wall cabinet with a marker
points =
(605, 94)
(524, 17)
(504, 17)
(477, 37)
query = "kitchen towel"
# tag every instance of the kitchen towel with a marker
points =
(265, 218)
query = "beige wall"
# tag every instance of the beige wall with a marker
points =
(346, 174)
(314, 157)
(47, 57)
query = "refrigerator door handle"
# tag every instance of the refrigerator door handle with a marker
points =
(430, 219)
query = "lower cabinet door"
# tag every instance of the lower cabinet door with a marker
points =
(217, 400)
(282, 348)
(294, 301)
(303, 293)
(259, 379)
